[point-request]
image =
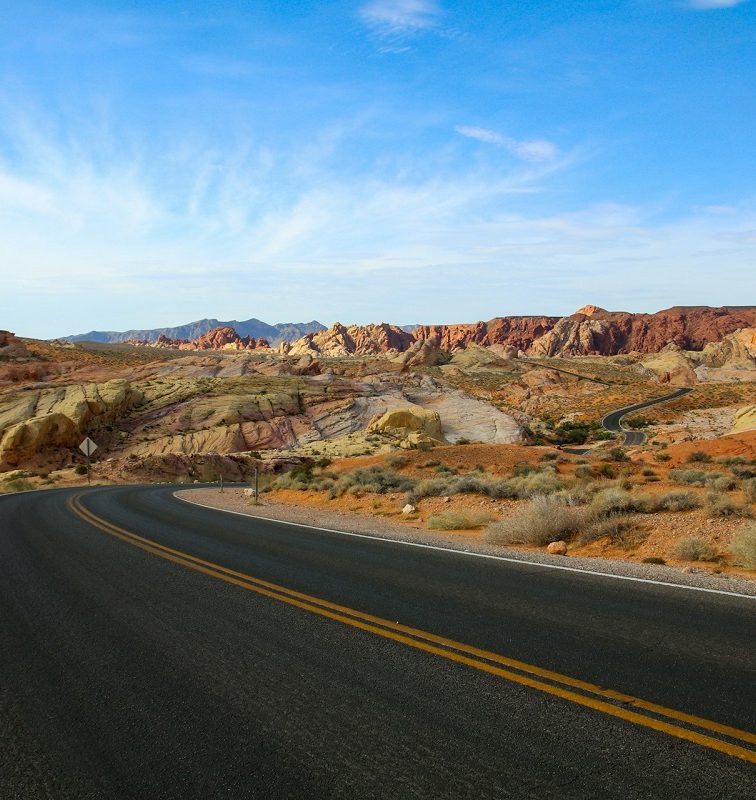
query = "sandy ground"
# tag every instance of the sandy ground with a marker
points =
(309, 514)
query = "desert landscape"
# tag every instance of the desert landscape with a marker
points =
(492, 430)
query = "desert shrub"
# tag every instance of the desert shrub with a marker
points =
(719, 505)
(610, 502)
(478, 468)
(323, 462)
(541, 521)
(397, 461)
(460, 519)
(653, 560)
(434, 487)
(743, 472)
(617, 454)
(444, 469)
(80, 469)
(583, 471)
(537, 483)
(749, 489)
(376, 480)
(698, 477)
(647, 473)
(431, 463)
(674, 501)
(730, 461)
(550, 456)
(743, 547)
(698, 456)
(521, 470)
(722, 483)
(605, 470)
(621, 531)
(17, 485)
(694, 548)
(662, 457)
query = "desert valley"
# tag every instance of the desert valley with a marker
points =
(468, 427)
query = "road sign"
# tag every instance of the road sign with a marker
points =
(87, 447)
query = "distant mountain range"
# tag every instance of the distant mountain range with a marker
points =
(254, 328)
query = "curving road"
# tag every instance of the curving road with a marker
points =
(154, 649)
(613, 420)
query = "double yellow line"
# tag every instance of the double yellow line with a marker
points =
(728, 740)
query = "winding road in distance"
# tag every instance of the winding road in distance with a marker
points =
(151, 648)
(612, 421)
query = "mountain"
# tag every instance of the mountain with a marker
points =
(253, 328)
(589, 331)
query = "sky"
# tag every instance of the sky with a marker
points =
(406, 161)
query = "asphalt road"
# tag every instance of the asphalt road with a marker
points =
(613, 421)
(188, 653)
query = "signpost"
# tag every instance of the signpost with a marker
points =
(88, 447)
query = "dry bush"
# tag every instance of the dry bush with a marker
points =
(743, 547)
(17, 485)
(613, 501)
(456, 520)
(673, 501)
(397, 461)
(621, 530)
(535, 484)
(749, 489)
(694, 548)
(698, 456)
(541, 521)
(583, 471)
(719, 505)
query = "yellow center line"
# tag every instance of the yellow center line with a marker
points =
(458, 652)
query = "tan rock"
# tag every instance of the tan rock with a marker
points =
(409, 427)
(745, 419)
(557, 549)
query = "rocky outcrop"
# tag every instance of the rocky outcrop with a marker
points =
(672, 367)
(423, 353)
(59, 417)
(339, 341)
(11, 347)
(745, 420)
(735, 351)
(410, 427)
(227, 339)
(595, 331)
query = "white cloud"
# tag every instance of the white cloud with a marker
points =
(525, 149)
(709, 4)
(401, 16)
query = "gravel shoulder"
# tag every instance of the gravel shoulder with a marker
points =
(369, 525)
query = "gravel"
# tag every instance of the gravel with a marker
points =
(350, 522)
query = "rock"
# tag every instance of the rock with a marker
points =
(409, 509)
(557, 549)
(340, 340)
(11, 347)
(745, 419)
(409, 427)
(446, 499)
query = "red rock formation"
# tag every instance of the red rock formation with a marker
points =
(339, 340)
(11, 347)
(594, 331)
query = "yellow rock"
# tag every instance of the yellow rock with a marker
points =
(410, 427)
(745, 419)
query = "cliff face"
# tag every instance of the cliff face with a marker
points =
(340, 340)
(594, 331)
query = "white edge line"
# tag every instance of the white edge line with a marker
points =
(469, 553)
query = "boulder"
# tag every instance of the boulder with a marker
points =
(409, 427)
(557, 549)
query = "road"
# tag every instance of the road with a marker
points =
(154, 649)
(613, 420)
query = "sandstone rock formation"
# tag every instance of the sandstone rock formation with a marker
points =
(735, 351)
(339, 340)
(11, 347)
(410, 428)
(672, 367)
(745, 419)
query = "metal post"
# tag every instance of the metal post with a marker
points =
(221, 482)
(89, 468)
(257, 493)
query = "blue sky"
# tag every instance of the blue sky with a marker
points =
(368, 160)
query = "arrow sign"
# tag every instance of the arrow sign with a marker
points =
(87, 447)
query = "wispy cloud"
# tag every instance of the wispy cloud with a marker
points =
(525, 149)
(394, 17)
(704, 5)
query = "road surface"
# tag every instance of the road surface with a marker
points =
(613, 420)
(154, 649)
